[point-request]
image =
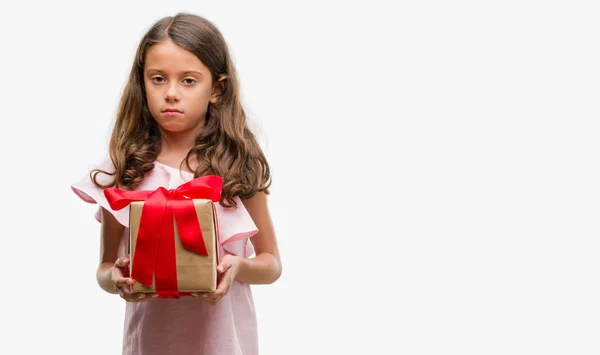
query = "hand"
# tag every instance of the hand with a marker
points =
(227, 271)
(123, 284)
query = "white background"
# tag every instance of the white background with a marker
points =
(435, 167)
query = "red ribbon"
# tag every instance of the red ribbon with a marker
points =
(155, 245)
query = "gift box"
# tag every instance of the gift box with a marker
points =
(173, 236)
(195, 272)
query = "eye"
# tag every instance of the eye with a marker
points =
(189, 81)
(158, 79)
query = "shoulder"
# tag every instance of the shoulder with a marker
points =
(256, 201)
(258, 209)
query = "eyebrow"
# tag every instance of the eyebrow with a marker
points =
(185, 72)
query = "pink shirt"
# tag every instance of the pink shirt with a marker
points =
(188, 325)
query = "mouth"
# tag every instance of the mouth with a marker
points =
(171, 112)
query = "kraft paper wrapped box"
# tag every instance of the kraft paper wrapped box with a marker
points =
(173, 236)
(195, 273)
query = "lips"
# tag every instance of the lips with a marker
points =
(171, 110)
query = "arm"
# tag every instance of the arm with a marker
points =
(112, 274)
(265, 267)
(111, 233)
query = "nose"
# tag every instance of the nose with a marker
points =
(172, 94)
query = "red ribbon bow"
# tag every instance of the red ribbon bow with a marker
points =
(155, 245)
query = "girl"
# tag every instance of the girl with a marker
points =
(179, 118)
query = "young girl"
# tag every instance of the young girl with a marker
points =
(180, 118)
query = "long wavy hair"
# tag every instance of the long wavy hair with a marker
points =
(224, 147)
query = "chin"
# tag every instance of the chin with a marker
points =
(174, 127)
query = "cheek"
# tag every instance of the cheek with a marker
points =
(198, 107)
(154, 99)
(198, 99)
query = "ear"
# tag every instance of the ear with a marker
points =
(218, 89)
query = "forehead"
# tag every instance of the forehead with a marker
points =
(169, 57)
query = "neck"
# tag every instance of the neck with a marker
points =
(175, 146)
(175, 142)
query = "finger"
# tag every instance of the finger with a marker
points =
(125, 290)
(212, 301)
(133, 297)
(146, 296)
(222, 288)
(123, 281)
(202, 295)
(122, 261)
(118, 279)
(215, 296)
(208, 297)
(146, 299)
(224, 265)
(138, 296)
(224, 284)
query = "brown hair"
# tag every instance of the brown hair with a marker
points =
(225, 147)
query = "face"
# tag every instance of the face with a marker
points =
(178, 87)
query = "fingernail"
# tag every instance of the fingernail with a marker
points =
(141, 296)
(125, 260)
(204, 295)
(154, 296)
(220, 268)
(130, 281)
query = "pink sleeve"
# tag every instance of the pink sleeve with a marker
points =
(235, 228)
(90, 193)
